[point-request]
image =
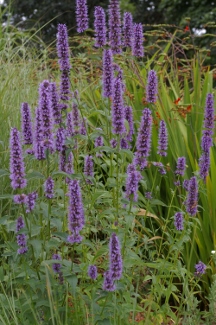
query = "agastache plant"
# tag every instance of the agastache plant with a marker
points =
(31, 201)
(128, 29)
(115, 26)
(129, 118)
(162, 139)
(108, 74)
(143, 143)
(21, 238)
(76, 219)
(17, 168)
(137, 45)
(152, 87)
(81, 15)
(181, 166)
(27, 132)
(100, 26)
(92, 272)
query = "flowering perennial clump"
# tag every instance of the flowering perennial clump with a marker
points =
(17, 168)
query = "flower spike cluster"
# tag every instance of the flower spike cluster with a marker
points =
(132, 182)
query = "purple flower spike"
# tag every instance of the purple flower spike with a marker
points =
(115, 258)
(124, 144)
(192, 197)
(118, 112)
(209, 113)
(137, 48)
(30, 201)
(55, 107)
(17, 169)
(70, 126)
(26, 124)
(75, 115)
(152, 87)
(207, 142)
(162, 139)
(204, 164)
(148, 195)
(81, 15)
(108, 74)
(108, 284)
(181, 165)
(56, 266)
(186, 184)
(129, 118)
(132, 182)
(39, 150)
(200, 269)
(99, 142)
(63, 48)
(160, 166)
(20, 224)
(47, 117)
(76, 219)
(83, 125)
(88, 168)
(22, 242)
(128, 29)
(92, 272)
(65, 93)
(20, 198)
(178, 221)
(115, 26)
(49, 188)
(100, 26)
(60, 139)
(143, 143)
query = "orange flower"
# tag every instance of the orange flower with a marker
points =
(187, 29)
(177, 101)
